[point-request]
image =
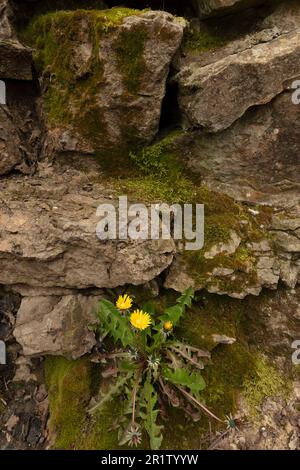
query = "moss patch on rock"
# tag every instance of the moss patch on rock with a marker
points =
(130, 48)
(202, 40)
(160, 177)
(69, 388)
(72, 86)
(266, 381)
(71, 384)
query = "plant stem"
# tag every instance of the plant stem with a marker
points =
(134, 394)
(203, 407)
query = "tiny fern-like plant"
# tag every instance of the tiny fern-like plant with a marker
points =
(149, 368)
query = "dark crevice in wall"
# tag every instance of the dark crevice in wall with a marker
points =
(170, 117)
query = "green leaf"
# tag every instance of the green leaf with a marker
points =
(115, 389)
(115, 324)
(149, 415)
(175, 313)
(126, 366)
(187, 297)
(182, 377)
(149, 307)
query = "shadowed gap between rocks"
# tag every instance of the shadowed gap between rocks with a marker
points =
(170, 117)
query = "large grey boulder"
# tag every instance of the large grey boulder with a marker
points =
(214, 96)
(256, 159)
(50, 240)
(110, 88)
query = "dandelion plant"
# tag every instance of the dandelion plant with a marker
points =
(149, 367)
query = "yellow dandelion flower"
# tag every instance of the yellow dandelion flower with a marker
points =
(168, 325)
(124, 302)
(140, 320)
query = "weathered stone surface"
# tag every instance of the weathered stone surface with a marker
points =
(56, 325)
(256, 159)
(226, 248)
(285, 17)
(123, 90)
(10, 152)
(20, 130)
(15, 61)
(213, 97)
(51, 242)
(248, 266)
(207, 8)
(6, 30)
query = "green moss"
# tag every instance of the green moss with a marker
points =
(265, 381)
(68, 384)
(236, 369)
(203, 40)
(72, 93)
(151, 189)
(158, 159)
(130, 46)
(71, 385)
(225, 377)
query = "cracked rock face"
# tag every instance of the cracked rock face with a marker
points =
(51, 241)
(121, 108)
(257, 158)
(20, 131)
(11, 155)
(238, 82)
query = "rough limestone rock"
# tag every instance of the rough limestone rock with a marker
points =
(250, 78)
(207, 8)
(110, 88)
(50, 241)
(240, 267)
(10, 153)
(20, 132)
(19, 127)
(15, 61)
(6, 29)
(256, 159)
(56, 325)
